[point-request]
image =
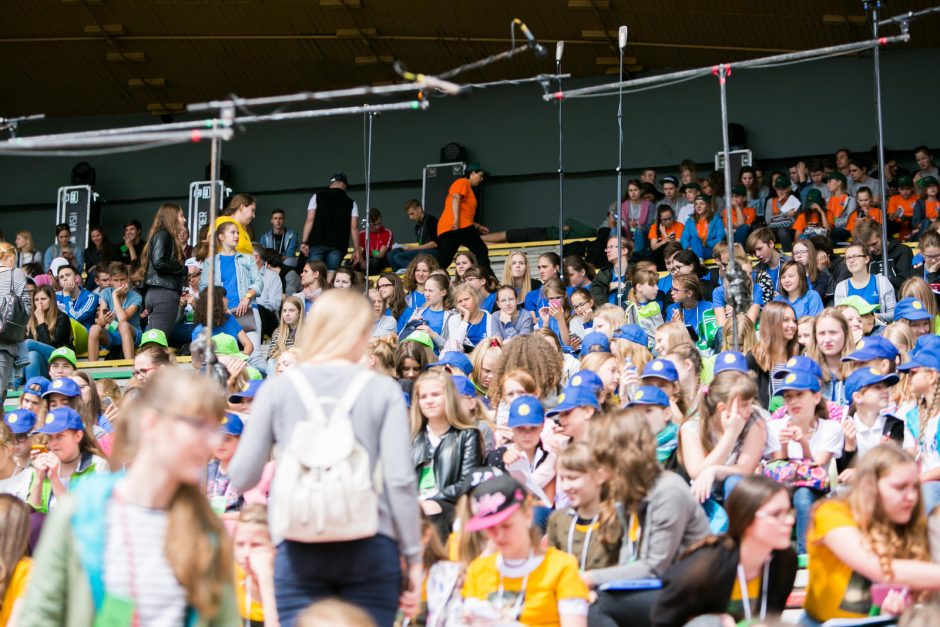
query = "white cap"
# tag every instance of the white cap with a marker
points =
(192, 262)
(57, 263)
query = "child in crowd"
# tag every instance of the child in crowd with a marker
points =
(292, 317)
(577, 405)
(254, 567)
(796, 291)
(62, 363)
(511, 321)
(526, 459)
(222, 497)
(655, 407)
(919, 407)
(118, 320)
(417, 273)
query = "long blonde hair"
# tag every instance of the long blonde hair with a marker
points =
(198, 549)
(526, 279)
(772, 348)
(284, 330)
(902, 337)
(453, 409)
(724, 388)
(888, 540)
(340, 320)
(612, 314)
(30, 246)
(847, 346)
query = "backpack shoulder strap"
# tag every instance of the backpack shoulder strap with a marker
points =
(351, 395)
(307, 397)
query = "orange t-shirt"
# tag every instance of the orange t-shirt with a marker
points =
(898, 202)
(801, 222)
(874, 213)
(932, 208)
(701, 227)
(675, 229)
(466, 211)
(750, 214)
(835, 206)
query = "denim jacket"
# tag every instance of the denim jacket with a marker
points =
(247, 275)
(289, 244)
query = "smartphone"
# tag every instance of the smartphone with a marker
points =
(39, 448)
(106, 402)
(555, 302)
(880, 590)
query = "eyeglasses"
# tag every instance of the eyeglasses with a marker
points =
(785, 517)
(852, 257)
(588, 304)
(800, 253)
(142, 372)
(382, 285)
(197, 423)
(931, 257)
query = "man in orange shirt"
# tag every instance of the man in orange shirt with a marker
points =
(901, 206)
(456, 225)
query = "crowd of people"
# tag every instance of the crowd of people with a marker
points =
(629, 435)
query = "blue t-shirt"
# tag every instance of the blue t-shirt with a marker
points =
(105, 424)
(718, 296)
(230, 327)
(774, 274)
(229, 279)
(83, 308)
(435, 320)
(809, 304)
(535, 299)
(476, 332)
(869, 293)
(692, 316)
(489, 303)
(132, 298)
(416, 300)
(665, 284)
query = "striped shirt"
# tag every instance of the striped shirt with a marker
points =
(136, 544)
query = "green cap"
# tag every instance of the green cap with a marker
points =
(692, 185)
(814, 196)
(225, 344)
(474, 166)
(781, 182)
(905, 181)
(927, 181)
(837, 176)
(66, 353)
(703, 198)
(154, 336)
(739, 190)
(421, 337)
(859, 304)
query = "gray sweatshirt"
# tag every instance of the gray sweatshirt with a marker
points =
(671, 521)
(380, 424)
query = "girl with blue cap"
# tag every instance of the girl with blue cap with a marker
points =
(919, 407)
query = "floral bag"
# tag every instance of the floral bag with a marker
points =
(797, 473)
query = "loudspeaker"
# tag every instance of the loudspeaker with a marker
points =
(453, 152)
(225, 173)
(83, 174)
(737, 136)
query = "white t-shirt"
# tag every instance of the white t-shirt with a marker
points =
(827, 437)
(868, 438)
(312, 206)
(18, 485)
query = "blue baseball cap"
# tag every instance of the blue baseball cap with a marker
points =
(65, 387)
(20, 421)
(661, 369)
(464, 386)
(250, 391)
(231, 424)
(455, 359)
(924, 342)
(37, 386)
(526, 411)
(799, 364)
(588, 379)
(922, 359)
(649, 395)
(573, 397)
(632, 333)
(730, 360)
(61, 419)
(911, 309)
(799, 380)
(863, 377)
(595, 342)
(873, 347)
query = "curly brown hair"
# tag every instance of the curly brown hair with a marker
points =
(536, 356)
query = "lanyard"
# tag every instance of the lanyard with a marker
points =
(587, 539)
(631, 545)
(129, 550)
(746, 600)
(520, 597)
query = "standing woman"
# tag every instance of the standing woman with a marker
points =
(162, 269)
(146, 543)
(833, 341)
(47, 330)
(12, 281)
(703, 229)
(365, 571)
(240, 211)
(26, 250)
(777, 344)
(416, 275)
(796, 291)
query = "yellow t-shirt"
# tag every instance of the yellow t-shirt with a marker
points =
(834, 590)
(17, 588)
(255, 611)
(554, 581)
(244, 240)
(736, 604)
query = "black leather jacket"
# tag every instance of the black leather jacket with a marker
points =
(459, 452)
(163, 270)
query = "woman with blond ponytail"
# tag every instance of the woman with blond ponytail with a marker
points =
(142, 547)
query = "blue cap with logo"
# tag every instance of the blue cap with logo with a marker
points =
(873, 347)
(526, 411)
(573, 397)
(250, 391)
(730, 360)
(649, 395)
(36, 386)
(61, 419)
(911, 309)
(231, 424)
(799, 364)
(863, 377)
(588, 379)
(922, 359)
(455, 359)
(20, 421)
(65, 387)
(632, 333)
(799, 381)
(464, 386)
(595, 342)
(927, 342)
(661, 369)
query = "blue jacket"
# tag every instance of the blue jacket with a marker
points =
(83, 309)
(690, 238)
(289, 244)
(247, 275)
